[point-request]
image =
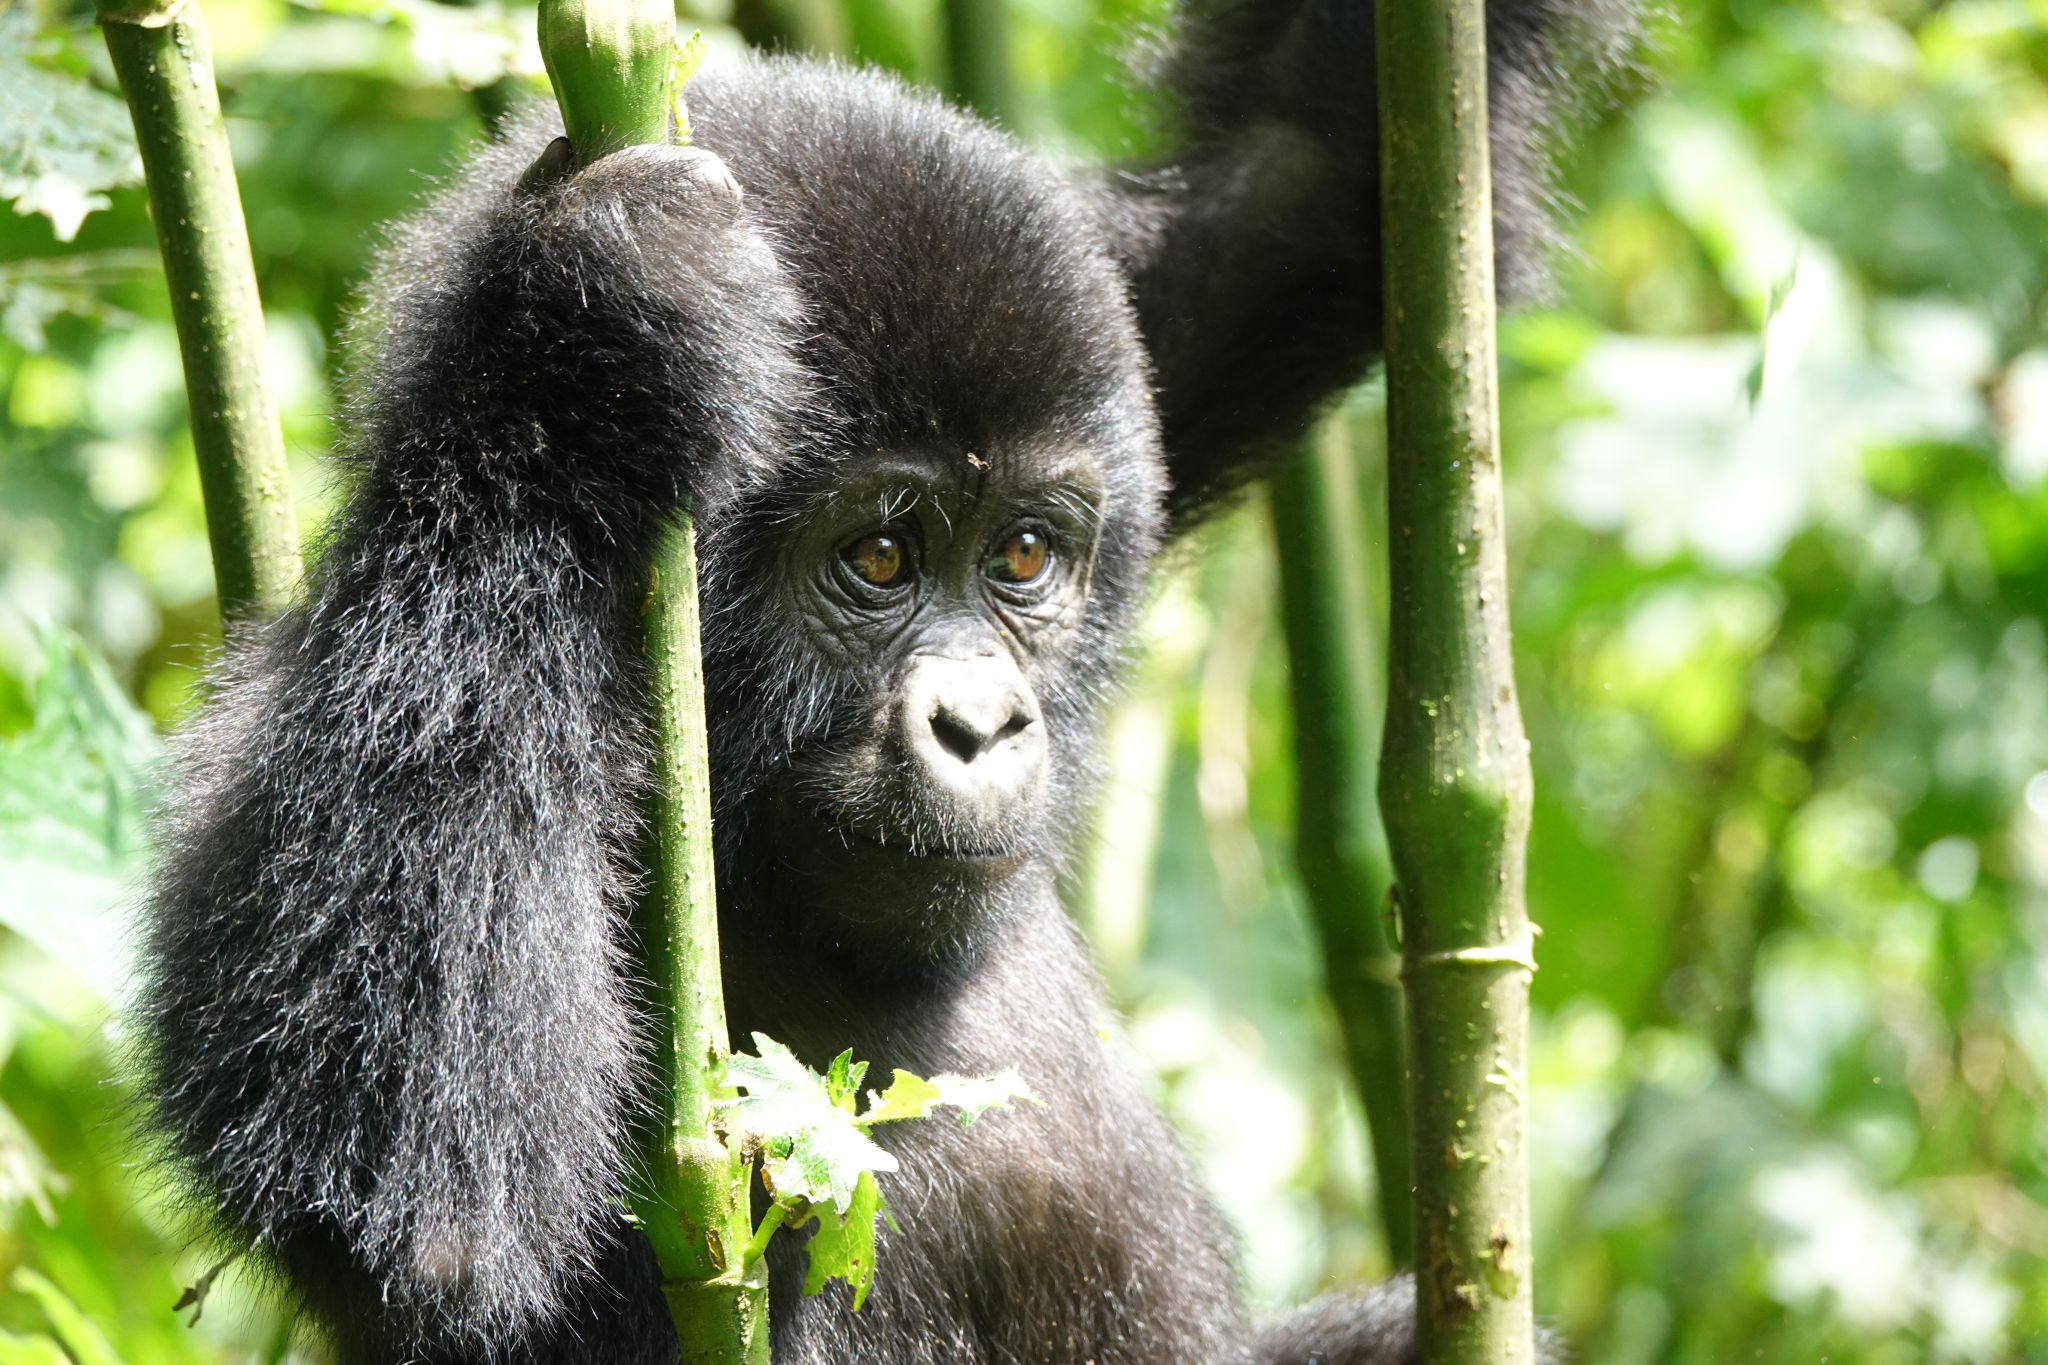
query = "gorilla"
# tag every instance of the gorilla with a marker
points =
(936, 404)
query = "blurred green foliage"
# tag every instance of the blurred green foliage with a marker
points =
(1779, 481)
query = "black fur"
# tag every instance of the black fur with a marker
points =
(390, 1025)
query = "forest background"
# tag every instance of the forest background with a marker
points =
(1778, 482)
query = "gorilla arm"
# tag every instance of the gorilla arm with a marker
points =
(386, 1022)
(1254, 252)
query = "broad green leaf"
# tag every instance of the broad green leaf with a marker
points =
(86, 1343)
(843, 1247)
(75, 796)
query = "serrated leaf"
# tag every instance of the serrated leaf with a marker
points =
(63, 142)
(842, 1082)
(816, 1150)
(908, 1097)
(843, 1247)
(974, 1096)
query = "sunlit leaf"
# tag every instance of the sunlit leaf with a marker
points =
(75, 797)
(63, 143)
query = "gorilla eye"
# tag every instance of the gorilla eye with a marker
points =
(877, 559)
(1019, 559)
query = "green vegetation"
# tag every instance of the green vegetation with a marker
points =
(818, 1159)
(1777, 496)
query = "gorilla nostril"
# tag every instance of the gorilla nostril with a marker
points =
(957, 736)
(967, 737)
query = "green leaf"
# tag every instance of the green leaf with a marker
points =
(842, 1081)
(974, 1096)
(63, 142)
(843, 1247)
(75, 795)
(908, 1097)
(85, 1342)
(816, 1150)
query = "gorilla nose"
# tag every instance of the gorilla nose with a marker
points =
(974, 724)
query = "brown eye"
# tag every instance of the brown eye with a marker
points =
(1020, 559)
(877, 559)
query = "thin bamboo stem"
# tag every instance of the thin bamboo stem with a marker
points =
(611, 62)
(978, 58)
(695, 1206)
(1454, 781)
(1340, 845)
(165, 65)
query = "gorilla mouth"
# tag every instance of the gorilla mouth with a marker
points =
(928, 851)
(909, 847)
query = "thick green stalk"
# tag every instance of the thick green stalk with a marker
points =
(695, 1206)
(978, 58)
(165, 66)
(1454, 777)
(1340, 846)
(611, 61)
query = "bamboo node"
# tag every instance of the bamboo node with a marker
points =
(1522, 955)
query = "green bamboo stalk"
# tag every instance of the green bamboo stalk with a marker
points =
(165, 65)
(695, 1209)
(978, 59)
(611, 62)
(1454, 777)
(1340, 845)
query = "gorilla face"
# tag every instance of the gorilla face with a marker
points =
(946, 592)
(912, 625)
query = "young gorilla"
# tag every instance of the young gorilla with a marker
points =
(936, 404)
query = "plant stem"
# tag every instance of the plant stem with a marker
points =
(695, 1207)
(1454, 781)
(165, 65)
(1340, 845)
(611, 61)
(772, 1220)
(978, 58)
